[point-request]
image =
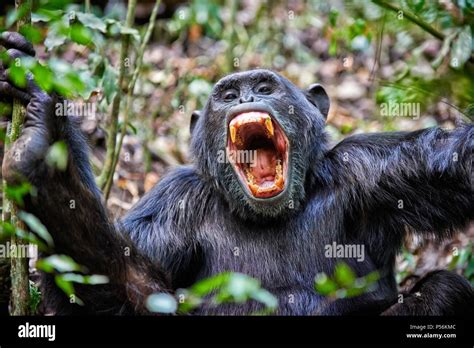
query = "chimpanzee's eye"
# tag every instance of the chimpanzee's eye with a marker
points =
(230, 94)
(264, 88)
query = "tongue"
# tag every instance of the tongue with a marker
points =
(263, 168)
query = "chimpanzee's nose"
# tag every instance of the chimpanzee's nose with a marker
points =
(247, 99)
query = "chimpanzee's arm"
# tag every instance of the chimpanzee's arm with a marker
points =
(422, 180)
(68, 202)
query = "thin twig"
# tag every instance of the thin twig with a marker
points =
(131, 87)
(411, 17)
(112, 126)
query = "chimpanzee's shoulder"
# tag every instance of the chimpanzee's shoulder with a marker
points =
(180, 192)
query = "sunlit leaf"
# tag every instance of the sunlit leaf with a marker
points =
(43, 77)
(59, 263)
(344, 275)
(80, 34)
(162, 303)
(91, 21)
(36, 226)
(32, 33)
(57, 156)
(16, 193)
(324, 285)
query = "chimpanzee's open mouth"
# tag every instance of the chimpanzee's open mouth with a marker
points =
(257, 148)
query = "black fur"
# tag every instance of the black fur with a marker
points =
(198, 221)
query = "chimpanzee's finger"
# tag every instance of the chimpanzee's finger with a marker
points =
(6, 89)
(9, 39)
(14, 53)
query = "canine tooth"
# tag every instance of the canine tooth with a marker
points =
(269, 125)
(233, 133)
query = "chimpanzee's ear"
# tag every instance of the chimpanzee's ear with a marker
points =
(319, 98)
(194, 117)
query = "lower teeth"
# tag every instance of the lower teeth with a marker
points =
(266, 185)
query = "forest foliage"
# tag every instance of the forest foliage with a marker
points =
(144, 80)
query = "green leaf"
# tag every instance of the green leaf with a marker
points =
(32, 33)
(36, 226)
(344, 275)
(57, 156)
(58, 32)
(8, 230)
(462, 48)
(16, 193)
(45, 15)
(18, 75)
(67, 287)
(43, 77)
(91, 21)
(265, 297)
(161, 303)
(59, 263)
(94, 279)
(325, 285)
(69, 85)
(205, 286)
(81, 35)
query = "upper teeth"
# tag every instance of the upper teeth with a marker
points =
(250, 117)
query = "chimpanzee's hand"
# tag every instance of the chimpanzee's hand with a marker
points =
(39, 127)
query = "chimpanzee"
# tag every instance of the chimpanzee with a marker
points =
(271, 215)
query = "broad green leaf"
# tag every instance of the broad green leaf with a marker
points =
(205, 286)
(36, 226)
(344, 275)
(43, 77)
(44, 15)
(91, 21)
(58, 32)
(80, 34)
(57, 155)
(32, 33)
(324, 285)
(18, 75)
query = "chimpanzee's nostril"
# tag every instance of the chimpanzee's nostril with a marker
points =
(247, 99)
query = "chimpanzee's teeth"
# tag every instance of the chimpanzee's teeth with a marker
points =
(269, 126)
(250, 117)
(250, 177)
(279, 169)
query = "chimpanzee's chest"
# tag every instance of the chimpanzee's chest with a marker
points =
(284, 257)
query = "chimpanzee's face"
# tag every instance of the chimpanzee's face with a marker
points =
(257, 137)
